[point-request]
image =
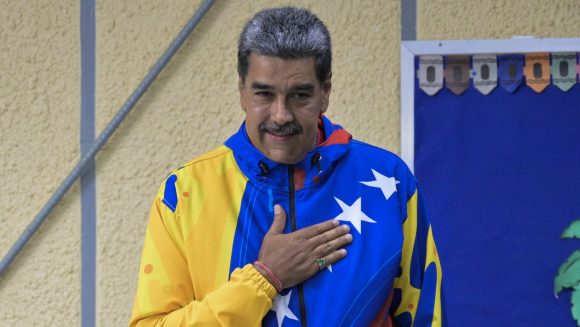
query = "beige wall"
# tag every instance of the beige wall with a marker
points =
(191, 108)
(39, 144)
(492, 19)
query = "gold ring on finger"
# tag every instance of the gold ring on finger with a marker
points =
(321, 263)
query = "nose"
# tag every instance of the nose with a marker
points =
(280, 112)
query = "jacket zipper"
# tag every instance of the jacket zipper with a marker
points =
(292, 198)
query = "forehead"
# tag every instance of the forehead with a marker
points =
(271, 69)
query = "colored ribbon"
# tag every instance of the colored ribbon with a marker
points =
(510, 71)
(537, 71)
(485, 72)
(578, 67)
(430, 74)
(563, 73)
(457, 73)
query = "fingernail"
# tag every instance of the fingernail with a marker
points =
(348, 237)
(277, 209)
(335, 222)
(346, 228)
(342, 251)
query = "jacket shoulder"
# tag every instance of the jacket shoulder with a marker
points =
(215, 154)
(209, 161)
(384, 160)
(365, 150)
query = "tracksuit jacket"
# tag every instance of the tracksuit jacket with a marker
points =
(209, 218)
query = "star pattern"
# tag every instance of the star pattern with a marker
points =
(282, 309)
(388, 185)
(353, 214)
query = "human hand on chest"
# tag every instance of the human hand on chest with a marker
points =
(295, 257)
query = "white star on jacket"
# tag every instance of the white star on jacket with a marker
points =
(353, 214)
(388, 185)
(280, 306)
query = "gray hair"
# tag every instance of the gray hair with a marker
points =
(286, 33)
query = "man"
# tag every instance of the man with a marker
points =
(256, 232)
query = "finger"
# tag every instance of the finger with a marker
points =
(330, 235)
(330, 259)
(279, 221)
(330, 246)
(319, 228)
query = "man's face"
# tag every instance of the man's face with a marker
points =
(283, 100)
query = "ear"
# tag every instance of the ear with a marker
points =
(326, 88)
(240, 85)
(241, 89)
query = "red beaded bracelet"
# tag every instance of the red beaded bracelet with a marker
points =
(270, 273)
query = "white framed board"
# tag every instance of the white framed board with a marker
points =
(497, 151)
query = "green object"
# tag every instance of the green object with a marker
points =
(321, 263)
(576, 304)
(563, 66)
(569, 273)
(573, 231)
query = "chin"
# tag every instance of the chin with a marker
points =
(284, 158)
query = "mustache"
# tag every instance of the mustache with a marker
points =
(289, 128)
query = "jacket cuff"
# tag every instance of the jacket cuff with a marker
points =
(249, 272)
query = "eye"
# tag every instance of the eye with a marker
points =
(264, 94)
(301, 95)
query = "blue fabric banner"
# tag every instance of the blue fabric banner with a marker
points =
(501, 175)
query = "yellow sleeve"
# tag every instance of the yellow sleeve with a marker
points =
(418, 293)
(165, 295)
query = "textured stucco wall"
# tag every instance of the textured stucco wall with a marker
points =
(191, 108)
(497, 19)
(39, 133)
